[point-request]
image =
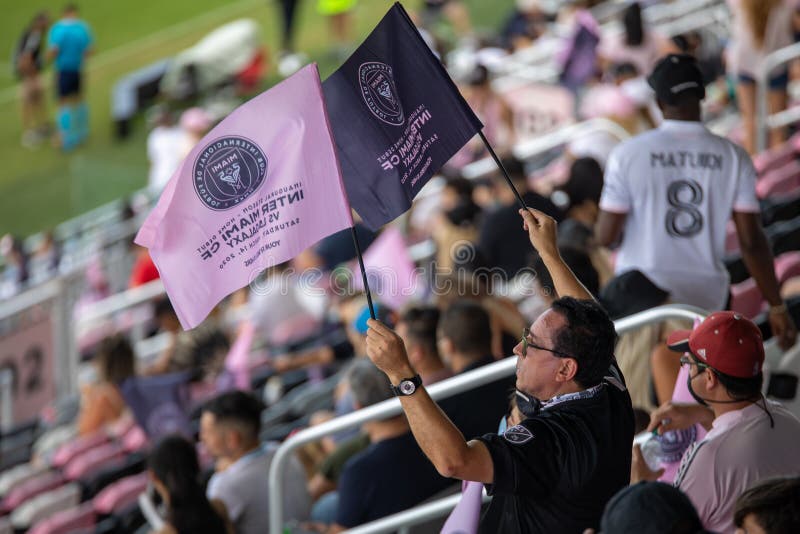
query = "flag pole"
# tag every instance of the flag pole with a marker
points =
(363, 272)
(503, 170)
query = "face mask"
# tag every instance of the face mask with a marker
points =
(528, 405)
(694, 395)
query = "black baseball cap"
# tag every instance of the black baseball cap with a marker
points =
(650, 508)
(676, 74)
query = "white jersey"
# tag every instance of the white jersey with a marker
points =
(678, 186)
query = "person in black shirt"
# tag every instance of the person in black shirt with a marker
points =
(502, 242)
(555, 471)
(28, 67)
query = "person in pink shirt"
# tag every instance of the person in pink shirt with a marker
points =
(749, 438)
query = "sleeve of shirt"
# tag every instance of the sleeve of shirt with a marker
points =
(525, 460)
(616, 195)
(745, 200)
(354, 490)
(54, 37)
(219, 488)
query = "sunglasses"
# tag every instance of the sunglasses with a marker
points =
(527, 343)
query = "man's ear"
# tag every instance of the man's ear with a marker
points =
(567, 370)
(712, 380)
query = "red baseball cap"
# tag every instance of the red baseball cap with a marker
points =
(726, 341)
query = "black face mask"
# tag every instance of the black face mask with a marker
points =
(694, 395)
(528, 405)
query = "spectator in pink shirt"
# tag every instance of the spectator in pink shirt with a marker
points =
(749, 438)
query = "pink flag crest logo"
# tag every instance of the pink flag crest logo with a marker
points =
(228, 170)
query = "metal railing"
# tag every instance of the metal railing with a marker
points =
(764, 121)
(440, 390)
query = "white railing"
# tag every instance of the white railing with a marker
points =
(440, 390)
(764, 121)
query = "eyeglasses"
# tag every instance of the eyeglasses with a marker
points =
(526, 343)
(686, 359)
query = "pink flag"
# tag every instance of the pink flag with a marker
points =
(256, 191)
(390, 269)
(465, 516)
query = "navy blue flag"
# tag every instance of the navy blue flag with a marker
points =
(159, 403)
(396, 117)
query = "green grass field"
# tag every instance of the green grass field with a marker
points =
(41, 187)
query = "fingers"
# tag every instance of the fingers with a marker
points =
(377, 328)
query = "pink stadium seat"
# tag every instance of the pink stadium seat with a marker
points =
(731, 238)
(69, 450)
(67, 521)
(31, 488)
(787, 266)
(746, 298)
(17, 475)
(5, 525)
(120, 494)
(134, 439)
(94, 459)
(786, 179)
(775, 157)
(46, 505)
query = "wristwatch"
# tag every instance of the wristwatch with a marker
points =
(407, 386)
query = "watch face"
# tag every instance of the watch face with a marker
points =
(407, 387)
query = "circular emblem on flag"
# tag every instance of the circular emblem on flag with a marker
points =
(380, 93)
(227, 171)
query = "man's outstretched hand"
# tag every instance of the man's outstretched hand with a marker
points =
(542, 231)
(387, 352)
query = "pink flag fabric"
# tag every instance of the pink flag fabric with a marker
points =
(390, 269)
(465, 516)
(260, 188)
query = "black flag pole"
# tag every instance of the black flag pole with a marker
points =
(503, 170)
(363, 272)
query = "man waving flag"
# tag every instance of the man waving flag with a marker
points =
(397, 117)
(256, 191)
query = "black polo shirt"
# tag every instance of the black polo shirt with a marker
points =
(556, 471)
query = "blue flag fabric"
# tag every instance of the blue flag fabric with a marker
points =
(396, 117)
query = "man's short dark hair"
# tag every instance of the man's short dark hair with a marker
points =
(466, 324)
(421, 323)
(741, 388)
(239, 408)
(775, 503)
(589, 337)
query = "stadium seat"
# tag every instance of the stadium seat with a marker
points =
(120, 494)
(785, 179)
(780, 208)
(31, 488)
(787, 266)
(66, 452)
(5, 525)
(98, 481)
(66, 521)
(94, 460)
(784, 236)
(17, 475)
(46, 505)
(746, 298)
(774, 158)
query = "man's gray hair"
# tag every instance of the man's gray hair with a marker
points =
(368, 383)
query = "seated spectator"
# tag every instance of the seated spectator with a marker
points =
(749, 438)
(769, 507)
(102, 402)
(392, 474)
(175, 474)
(201, 350)
(417, 326)
(465, 338)
(637, 44)
(456, 222)
(229, 428)
(512, 252)
(525, 24)
(555, 471)
(650, 508)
